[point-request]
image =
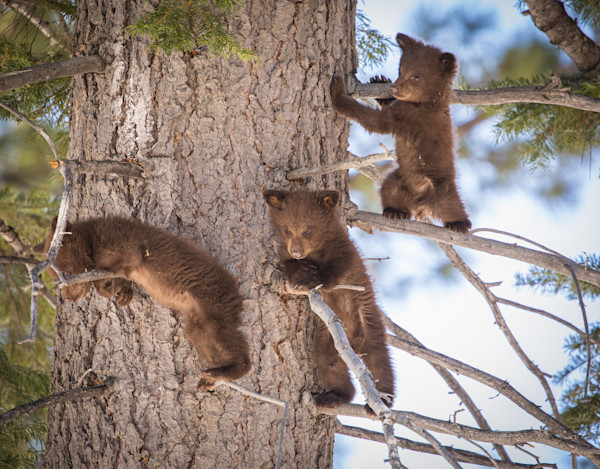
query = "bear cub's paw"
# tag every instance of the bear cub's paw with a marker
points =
(303, 276)
(462, 226)
(395, 213)
(331, 399)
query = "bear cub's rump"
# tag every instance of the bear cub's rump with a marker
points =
(419, 117)
(173, 270)
(315, 250)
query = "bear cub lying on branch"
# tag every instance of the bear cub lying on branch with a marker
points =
(316, 250)
(173, 270)
(419, 117)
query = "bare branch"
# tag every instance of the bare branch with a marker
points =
(499, 385)
(18, 260)
(541, 312)
(33, 125)
(12, 238)
(104, 167)
(370, 221)
(551, 18)
(55, 245)
(572, 445)
(50, 71)
(491, 300)
(357, 366)
(57, 398)
(451, 381)
(511, 94)
(587, 332)
(460, 454)
(353, 162)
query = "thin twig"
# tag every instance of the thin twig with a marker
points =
(541, 312)
(516, 236)
(587, 331)
(491, 300)
(57, 398)
(262, 397)
(33, 125)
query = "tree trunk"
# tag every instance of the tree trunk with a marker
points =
(213, 134)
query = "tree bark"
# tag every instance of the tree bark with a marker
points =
(211, 134)
(551, 18)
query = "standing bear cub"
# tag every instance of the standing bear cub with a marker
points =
(173, 270)
(419, 117)
(316, 250)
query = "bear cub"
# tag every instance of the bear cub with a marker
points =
(172, 269)
(315, 249)
(424, 184)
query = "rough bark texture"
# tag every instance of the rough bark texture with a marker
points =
(214, 133)
(551, 18)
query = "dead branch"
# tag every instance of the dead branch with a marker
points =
(12, 238)
(491, 381)
(492, 97)
(518, 437)
(491, 300)
(368, 222)
(55, 245)
(357, 366)
(353, 162)
(541, 312)
(50, 71)
(461, 455)
(18, 260)
(104, 167)
(57, 398)
(32, 124)
(452, 383)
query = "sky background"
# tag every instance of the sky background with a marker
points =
(450, 316)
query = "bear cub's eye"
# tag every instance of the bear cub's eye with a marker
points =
(416, 79)
(308, 233)
(287, 232)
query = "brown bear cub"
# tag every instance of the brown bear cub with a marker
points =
(419, 117)
(316, 250)
(173, 270)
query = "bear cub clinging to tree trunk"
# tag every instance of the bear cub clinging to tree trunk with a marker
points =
(316, 250)
(173, 270)
(419, 117)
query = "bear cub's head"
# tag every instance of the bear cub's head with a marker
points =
(425, 73)
(305, 221)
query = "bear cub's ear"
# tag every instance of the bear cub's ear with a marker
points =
(448, 63)
(404, 41)
(328, 199)
(275, 199)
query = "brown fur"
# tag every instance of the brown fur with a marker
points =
(316, 249)
(419, 117)
(173, 270)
